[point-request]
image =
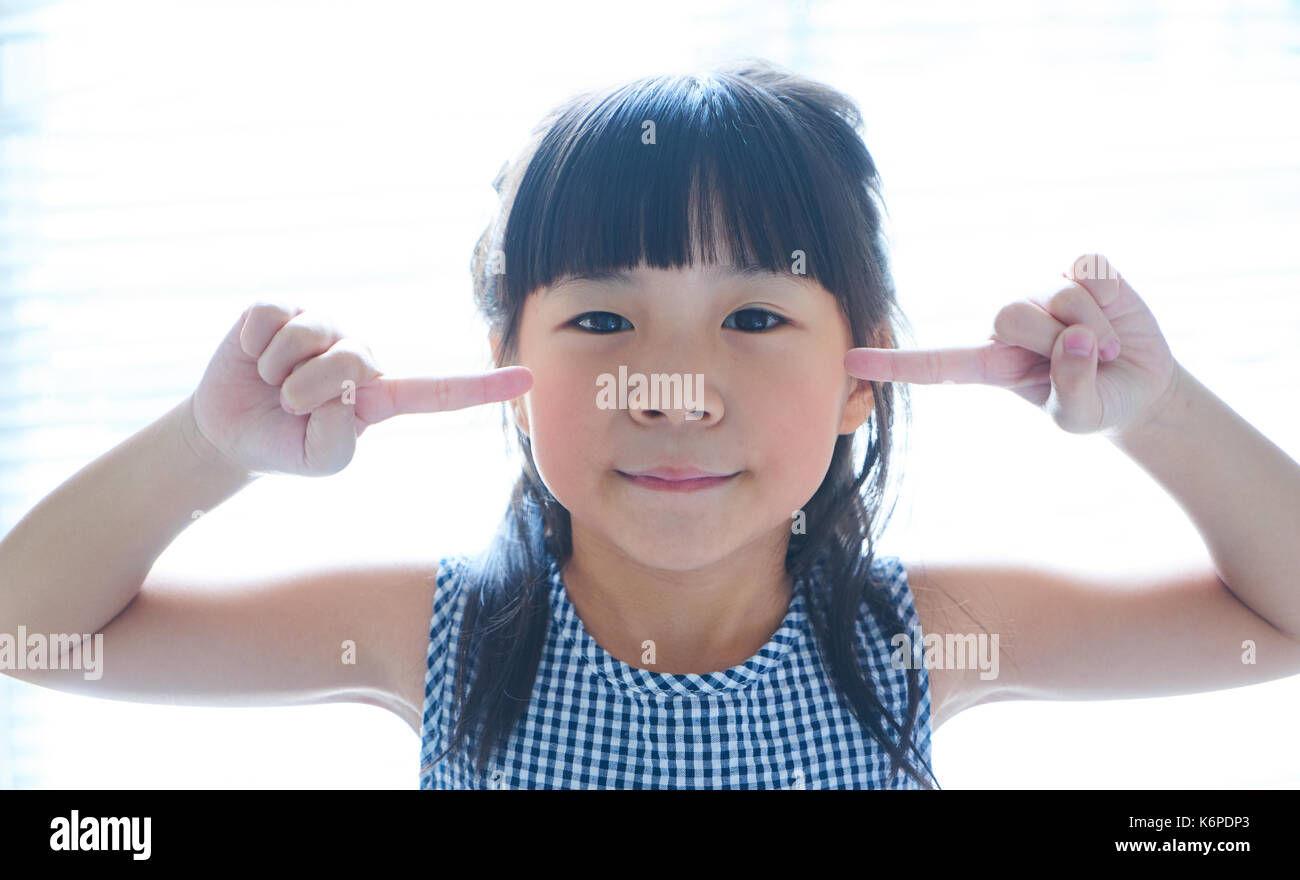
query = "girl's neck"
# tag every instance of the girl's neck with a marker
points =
(703, 620)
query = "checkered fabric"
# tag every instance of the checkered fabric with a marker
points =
(593, 721)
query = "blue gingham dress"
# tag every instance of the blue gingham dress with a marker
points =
(593, 721)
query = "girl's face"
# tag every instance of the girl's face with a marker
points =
(774, 397)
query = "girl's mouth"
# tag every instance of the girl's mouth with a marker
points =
(690, 485)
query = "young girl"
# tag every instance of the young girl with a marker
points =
(682, 594)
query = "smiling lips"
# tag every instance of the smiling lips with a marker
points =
(677, 479)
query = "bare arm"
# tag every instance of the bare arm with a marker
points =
(1240, 490)
(343, 634)
(1055, 634)
(286, 392)
(1072, 636)
(80, 556)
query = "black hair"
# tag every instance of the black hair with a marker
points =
(750, 164)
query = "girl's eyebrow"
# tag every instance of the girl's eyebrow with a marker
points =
(623, 277)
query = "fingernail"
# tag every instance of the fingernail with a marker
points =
(1079, 344)
(1110, 349)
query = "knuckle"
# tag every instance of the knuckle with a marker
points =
(1066, 299)
(311, 327)
(300, 339)
(261, 321)
(355, 357)
(266, 305)
(1008, 318)
(1091, 266)
(261, 307)
(355, 364)
(304, 389)
(347, 370)
(262, 313)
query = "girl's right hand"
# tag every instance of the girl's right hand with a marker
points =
(276, 359)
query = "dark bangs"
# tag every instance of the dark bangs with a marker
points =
(673, 171)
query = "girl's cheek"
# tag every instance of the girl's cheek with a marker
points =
(564, 417)
(800, 428)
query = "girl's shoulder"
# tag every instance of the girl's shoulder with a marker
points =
(426, 604)
(451, 570)
(890, 573)
(887, 591)
(928, 605)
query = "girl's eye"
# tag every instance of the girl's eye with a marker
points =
(577, 322)
(761, 327)
(748, 325)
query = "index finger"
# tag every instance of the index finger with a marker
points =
(923, 366)
(385, 398)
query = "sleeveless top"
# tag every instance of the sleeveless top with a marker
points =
(593, 721)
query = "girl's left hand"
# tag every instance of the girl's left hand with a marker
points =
(1028, 354)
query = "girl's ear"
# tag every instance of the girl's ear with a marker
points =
(862, 400)
(516, 408)
(861, 403)
(521, 417)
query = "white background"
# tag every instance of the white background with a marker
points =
(164, 164)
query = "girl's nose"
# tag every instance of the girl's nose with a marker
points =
(653, 397)
(676, 416)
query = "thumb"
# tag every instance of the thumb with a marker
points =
(330, 439)
(1073, 403)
